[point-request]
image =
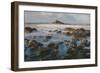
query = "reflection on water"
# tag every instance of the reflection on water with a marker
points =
(62, 49)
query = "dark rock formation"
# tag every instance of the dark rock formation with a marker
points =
(69, 29)
(48, 37)
(29, 29)
(33, 44)
(59, 32)
(68, 33)
(34, 29)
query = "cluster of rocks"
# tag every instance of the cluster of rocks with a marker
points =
(80, 32)
(81, 51)
(77, 48)
(36, 52)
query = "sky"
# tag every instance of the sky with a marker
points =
(49, 17)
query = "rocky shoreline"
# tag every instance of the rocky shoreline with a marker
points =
(68, 43)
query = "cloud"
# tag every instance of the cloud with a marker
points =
(49, 17)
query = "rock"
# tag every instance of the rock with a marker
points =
(50, 31)
(40, 44)
(48, 37)
(87, 32)
(28, 29)
(79, 33)
(87, 44)
(68, 33)
(72, 53)
(55, 30)
(44, 52)
(53, 45)
(34, 29)
(33, 44)
(69, 29)
(59, 32)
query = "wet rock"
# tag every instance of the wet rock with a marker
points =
(49, 53)
(87, 32)
(69, 29)
(59, 32)
(48, 37)
(87, 43)
(40, 45)
(55, 30)
(50, 31)
(72, 53)
(34, 29)
(44, 52)
(52, 45)
(33, 44)
(28, 29)
(85, 53)
(68, 33)
(79, 33)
